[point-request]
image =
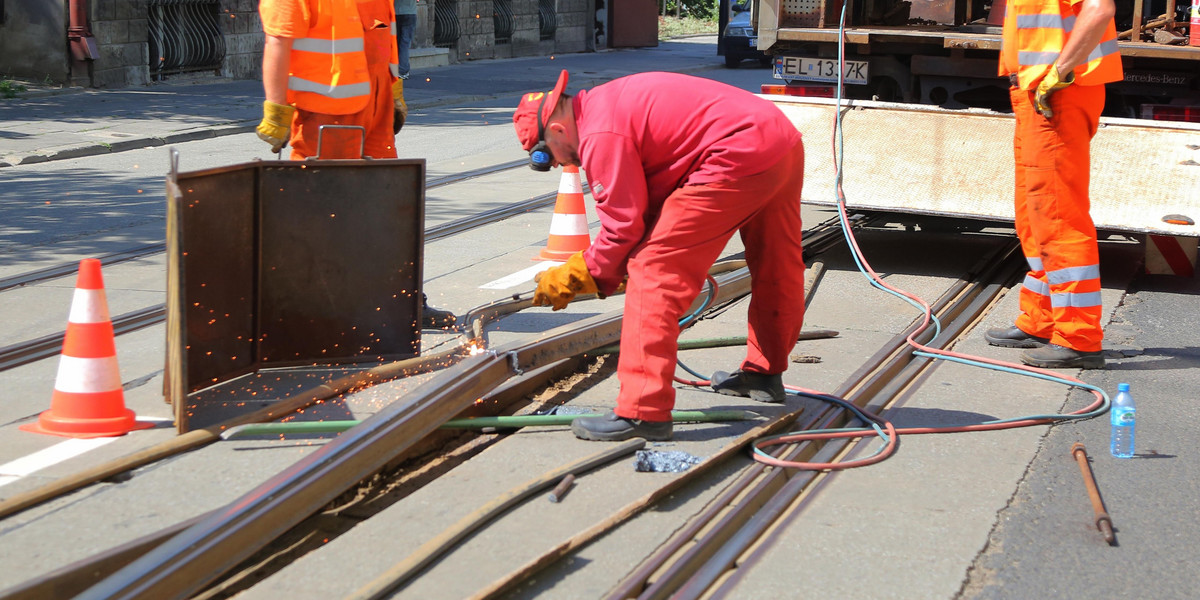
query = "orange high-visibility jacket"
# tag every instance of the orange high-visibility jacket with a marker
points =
(1035, 32)
(328, 67)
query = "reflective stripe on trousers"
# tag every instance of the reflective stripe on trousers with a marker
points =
(1060, 298)
(667, 272)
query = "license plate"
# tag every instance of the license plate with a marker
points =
(802, 68)
(753, 42)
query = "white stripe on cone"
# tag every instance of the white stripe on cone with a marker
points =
(568, 224)
(87, 375)
(570, 184)
(88, 306)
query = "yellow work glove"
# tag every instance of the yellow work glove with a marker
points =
(1051, 83)
(400, 113)
(276, 123)
(556, 286)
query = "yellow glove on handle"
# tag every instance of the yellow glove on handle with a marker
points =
(276, 124)
(400, 114)
(1051, 83)
(556, 286)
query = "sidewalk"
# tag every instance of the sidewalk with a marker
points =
(40, 126)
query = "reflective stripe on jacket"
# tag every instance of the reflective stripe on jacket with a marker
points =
(328, 66)
(1035, 32)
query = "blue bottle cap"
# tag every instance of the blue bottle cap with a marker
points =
(1122, 387)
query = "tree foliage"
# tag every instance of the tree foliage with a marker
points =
(697, 9)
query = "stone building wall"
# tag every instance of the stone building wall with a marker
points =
(33, 44)
(24, 31)
(242, 29)
(121, 31)
(477, 40)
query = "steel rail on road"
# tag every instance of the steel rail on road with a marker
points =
(184, 564)
(573, 340)
(763, 499)
(86, 572)
(47, 346)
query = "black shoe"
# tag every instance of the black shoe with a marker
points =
(1054, 356)
(435, 318)
(1013, 337)
(611, 428)
(759, 387)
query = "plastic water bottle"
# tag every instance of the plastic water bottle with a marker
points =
(1124, 418)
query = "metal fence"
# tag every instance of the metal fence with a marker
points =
(547, 19)
(184, 35)
(445, 23)
(502, 19)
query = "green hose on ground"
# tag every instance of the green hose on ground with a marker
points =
(507, 422)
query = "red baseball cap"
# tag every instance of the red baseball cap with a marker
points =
(525, 119)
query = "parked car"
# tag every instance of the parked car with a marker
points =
(740, 39)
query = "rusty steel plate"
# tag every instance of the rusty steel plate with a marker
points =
(288, 263)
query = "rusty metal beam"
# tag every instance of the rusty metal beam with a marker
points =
(182, 565)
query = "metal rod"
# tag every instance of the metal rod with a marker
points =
(721, 342)
(561, 489)
(1103, 522)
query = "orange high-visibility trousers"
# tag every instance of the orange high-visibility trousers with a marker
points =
(667, 271)
(1060, 298)
(375, 119)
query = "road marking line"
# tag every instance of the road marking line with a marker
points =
(15, 470)
(523, 276)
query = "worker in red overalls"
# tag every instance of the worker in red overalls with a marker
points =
(334, 62)
(1058, 55)
(676, 165)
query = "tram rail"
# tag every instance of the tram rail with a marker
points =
(576, 339)
(197, 555)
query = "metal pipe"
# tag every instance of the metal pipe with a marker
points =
(83, 45)
(1103, 522)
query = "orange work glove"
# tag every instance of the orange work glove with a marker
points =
(1051, 83)
(556, 286)
(276, 125)
(400, 107)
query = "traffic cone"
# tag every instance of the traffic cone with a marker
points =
(569, 228)
(88, 401)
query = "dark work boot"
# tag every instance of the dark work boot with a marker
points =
(435, 318)
(759, 387)
(1054, 356)
(1013, 337)
(611, 428)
